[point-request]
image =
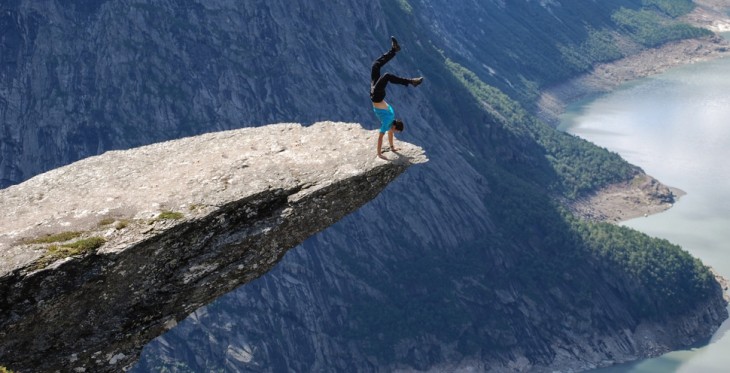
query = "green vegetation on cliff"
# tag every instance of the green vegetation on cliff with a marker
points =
(651, 30)
(673, 8)
(667, 277)
(519, 53)
(553, 257)
(58, 237)
(61, 245)
(580, 166)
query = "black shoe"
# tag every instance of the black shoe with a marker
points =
(394, 44)
(415, 82)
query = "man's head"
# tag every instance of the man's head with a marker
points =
(398, 125)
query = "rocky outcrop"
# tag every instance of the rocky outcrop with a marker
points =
(641, 196)
(99, 257)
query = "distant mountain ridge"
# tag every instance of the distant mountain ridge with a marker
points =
(466, 261)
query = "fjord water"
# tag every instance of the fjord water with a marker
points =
(676, 126)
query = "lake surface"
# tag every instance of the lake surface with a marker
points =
(675, 126)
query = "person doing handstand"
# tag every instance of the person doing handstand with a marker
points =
(382, 109)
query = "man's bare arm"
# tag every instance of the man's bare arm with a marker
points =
(380, 145)
(390, 140)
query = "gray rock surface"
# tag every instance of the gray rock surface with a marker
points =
(241, 199)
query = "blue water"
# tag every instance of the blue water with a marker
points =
(676, 126)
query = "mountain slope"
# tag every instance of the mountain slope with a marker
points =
(465, 261)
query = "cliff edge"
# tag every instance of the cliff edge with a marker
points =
(101, 256)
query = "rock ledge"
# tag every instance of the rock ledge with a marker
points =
(180, 223)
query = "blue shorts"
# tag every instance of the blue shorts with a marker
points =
(386, 116)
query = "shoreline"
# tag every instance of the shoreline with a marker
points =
(606, 77)
(644, 195)
(616, 203)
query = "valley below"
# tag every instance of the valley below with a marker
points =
(674, 125)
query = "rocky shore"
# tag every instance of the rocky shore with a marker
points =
(643, 195)
(606, 77)
(709, 14)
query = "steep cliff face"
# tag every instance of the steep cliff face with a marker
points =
(78, 79)
(173, 226)
(465, 262)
